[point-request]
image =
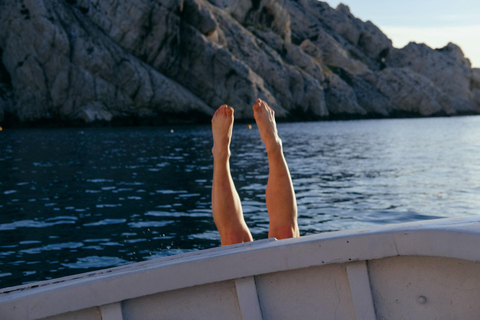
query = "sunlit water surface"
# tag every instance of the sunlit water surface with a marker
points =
(76, 200)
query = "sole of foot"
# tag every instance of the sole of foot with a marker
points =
(222, 126)
(265, 119)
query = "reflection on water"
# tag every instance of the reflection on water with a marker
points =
(75, 200)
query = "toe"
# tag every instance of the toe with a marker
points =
(264, 104)
(219, 110)
(216, 114)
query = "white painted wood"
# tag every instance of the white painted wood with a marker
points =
(425, 288)
(320, 292)
(248, 298)
(448, 238)
(214, 301)
(85, 314)
(360, 289)
(112, 311)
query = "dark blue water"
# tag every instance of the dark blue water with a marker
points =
(76, 200)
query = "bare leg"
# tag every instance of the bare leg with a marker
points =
(226, 206)
(280, 196)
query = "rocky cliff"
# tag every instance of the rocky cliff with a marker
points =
(151, 61)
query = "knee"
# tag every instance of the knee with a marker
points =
(284, 232)
(234, 237)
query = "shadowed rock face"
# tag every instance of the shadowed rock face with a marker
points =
(83, 61)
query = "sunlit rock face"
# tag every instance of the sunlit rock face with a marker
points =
(150, 61)
(446, 68)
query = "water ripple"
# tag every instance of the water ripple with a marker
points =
(32, 224)
(105, 222)
(76, 200)
(95, 262)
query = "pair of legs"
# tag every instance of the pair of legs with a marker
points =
(280, 196)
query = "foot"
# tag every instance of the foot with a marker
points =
(265, 118)
(222, 125)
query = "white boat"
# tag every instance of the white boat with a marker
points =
(421, 270)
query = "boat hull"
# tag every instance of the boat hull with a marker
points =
(422, 270)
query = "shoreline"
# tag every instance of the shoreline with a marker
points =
(199, 119)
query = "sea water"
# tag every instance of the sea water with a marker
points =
(79, 199)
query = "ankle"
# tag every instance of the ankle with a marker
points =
(274, 146)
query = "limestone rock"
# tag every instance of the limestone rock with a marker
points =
(476, 88)
(334, 55)
(101, 61)
(94, 111)
(456, 53)
(6, 102)
(6, 95)
(363, 35)
(303, 61)
(476, 78)
(293, 88)
(340, 97)
(324, 27)
(77, 72)
(369, 97)
(199, 15)
(271, 14)
(476, 98)
(272, 39)
(446, 68)
(238, 9)
(413, 93)
(212, 70)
